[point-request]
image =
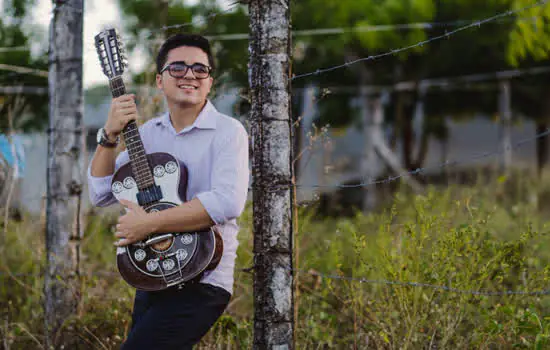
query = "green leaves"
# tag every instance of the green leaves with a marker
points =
(530, 38)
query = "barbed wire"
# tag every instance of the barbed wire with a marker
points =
(368, 28)
(194, 22)
(422, 43)
(442, 82)
(425, 285)
(420, 170)
(314, 32)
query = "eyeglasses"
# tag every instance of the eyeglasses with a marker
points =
(179, 70)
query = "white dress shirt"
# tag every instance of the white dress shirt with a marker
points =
(215, 150)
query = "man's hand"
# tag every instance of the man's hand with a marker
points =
(133, 226)
(123, 109)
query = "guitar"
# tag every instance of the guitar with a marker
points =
(155, 181)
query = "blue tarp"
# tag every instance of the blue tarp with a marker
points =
(6, 150)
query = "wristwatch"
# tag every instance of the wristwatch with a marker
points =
(103, 139)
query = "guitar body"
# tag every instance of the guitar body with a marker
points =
(178, 258)
(156, 181)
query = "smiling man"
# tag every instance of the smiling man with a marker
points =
(214, 147)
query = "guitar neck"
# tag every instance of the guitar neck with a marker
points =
(141, 169)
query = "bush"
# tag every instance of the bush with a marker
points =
(407, 277)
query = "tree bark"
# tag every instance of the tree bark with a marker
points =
(272, 173)
(64, 186)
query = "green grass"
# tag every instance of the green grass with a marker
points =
(489, 237)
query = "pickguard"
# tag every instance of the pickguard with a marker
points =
(167, 176)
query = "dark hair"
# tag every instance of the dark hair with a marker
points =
(178, 40)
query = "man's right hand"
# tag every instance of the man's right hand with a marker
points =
(123, 109)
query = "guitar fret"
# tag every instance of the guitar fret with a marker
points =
(142, 169)
(131, 143)
(138, 158)
(142, 165)
(136, 149)
(142, 176)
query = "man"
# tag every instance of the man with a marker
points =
(214, 147)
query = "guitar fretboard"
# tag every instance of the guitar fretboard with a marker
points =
(136, 152)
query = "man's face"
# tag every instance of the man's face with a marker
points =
(186, 90)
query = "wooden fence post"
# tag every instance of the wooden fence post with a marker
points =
(505, 112)
(64, 183)
(269, 78)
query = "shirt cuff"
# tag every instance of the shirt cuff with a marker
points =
(99, 189)
(212, 206)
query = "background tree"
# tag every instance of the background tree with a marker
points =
(529, 44)
(475, 50)
(33, 112)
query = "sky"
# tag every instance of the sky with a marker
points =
(98, 14)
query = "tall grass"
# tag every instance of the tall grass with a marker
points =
(490, 237)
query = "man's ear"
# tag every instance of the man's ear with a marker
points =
(211, 83)
(159, 81)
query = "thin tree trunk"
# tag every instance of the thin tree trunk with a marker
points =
(272, 173)
(64, 187)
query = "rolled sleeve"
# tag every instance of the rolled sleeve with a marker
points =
(99, 188)
(229, 179)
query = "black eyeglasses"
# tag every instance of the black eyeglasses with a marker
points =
(179, 70)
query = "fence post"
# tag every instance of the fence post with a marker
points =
(505, 112)
(269, 78)
(369, 158)
(64, 184)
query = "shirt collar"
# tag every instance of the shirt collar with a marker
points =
(205, 120)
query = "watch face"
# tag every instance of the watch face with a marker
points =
(99, 134)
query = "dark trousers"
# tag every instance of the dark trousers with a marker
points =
(175, 318)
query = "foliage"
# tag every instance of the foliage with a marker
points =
(491, 237)
(530, 37)
(29, 112)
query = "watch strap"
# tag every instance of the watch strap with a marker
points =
(104, 140)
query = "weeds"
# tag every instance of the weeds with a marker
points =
(480, 238)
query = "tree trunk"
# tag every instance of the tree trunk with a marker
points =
(64, 187)
(272, 173)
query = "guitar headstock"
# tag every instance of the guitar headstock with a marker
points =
(111, 53)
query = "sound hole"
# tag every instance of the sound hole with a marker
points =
(163, 246)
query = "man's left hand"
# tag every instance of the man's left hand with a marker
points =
(134, 225)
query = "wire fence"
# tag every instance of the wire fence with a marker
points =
(418, 171)
(424, 285)
(423, 42)
(368, 182)
(340, 277)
